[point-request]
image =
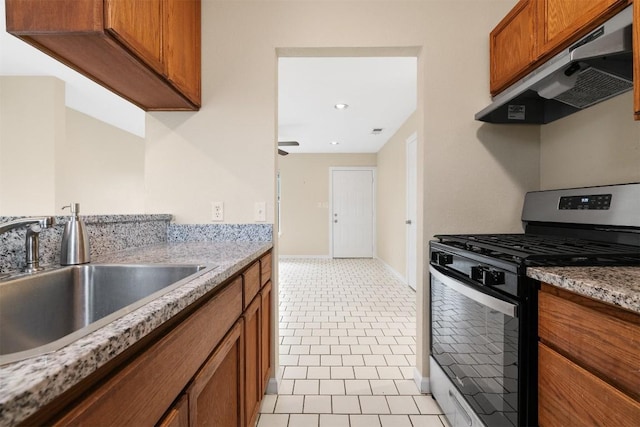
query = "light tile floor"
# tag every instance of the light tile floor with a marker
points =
(347, 349)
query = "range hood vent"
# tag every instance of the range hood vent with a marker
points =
(598, 67)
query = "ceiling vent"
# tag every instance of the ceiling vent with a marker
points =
(376, 131)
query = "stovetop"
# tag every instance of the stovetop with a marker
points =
(544, 250)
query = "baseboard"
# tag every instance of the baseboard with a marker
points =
(274, 382)
(421, 382)
(392, 271)
(272, 386)
(304, 256)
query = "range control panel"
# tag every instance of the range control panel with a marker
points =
(593, 202)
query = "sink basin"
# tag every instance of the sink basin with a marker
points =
(45, 311)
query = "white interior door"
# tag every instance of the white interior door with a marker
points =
(352, 216)
(412, 193)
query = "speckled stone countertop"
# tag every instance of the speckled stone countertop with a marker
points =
(27, 385)
(614, 285)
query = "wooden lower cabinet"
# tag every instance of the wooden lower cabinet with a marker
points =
(265, 323)
(178, 415)
(588, 361)
(141, 392)
(216, 394)
(252, 347)
(569, 395)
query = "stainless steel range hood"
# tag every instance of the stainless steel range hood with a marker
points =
(596, 68)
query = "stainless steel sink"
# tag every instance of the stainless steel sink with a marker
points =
(45, 311)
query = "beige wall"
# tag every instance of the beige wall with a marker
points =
(99, 166)
(33, 114)
(392, 197)
(52, 155)
(227, 151)
(304, 184)
(596, 146)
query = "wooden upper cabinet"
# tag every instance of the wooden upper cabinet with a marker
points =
(535, 30)
(182, 46)
(138, 25)
(512, 45)
(636, 58)
(562, 20)
(147, 51)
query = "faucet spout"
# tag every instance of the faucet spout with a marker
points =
(32, 244)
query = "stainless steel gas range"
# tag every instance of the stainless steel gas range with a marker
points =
(483, 363)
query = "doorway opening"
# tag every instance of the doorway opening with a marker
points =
(343, 124)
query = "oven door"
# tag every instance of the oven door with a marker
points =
(474, 343)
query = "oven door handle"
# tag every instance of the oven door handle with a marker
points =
(494, 303)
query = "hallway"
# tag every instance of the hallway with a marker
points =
(347, 349)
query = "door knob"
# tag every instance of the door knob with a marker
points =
(408, 222)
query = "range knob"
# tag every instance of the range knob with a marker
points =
(486, 276)
(442, 258)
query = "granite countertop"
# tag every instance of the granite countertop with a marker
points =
(29, 384)
(619, 286)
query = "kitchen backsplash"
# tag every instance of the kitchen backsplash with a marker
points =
(112, 233)
(219, 232)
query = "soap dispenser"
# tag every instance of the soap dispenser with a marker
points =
(75, 241)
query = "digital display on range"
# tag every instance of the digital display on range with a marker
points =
(592, 202)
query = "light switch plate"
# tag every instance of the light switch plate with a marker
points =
(260, 212)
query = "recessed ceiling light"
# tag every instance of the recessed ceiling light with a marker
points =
(341, 106)
(334, 143)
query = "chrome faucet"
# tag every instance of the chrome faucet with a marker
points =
(34, 226)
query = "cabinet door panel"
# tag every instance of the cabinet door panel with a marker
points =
(571, 396)
(253, 394)
(138, 25)
(561, 20)
(178, 416)
(265, 336)
(215, 396)
(512, 45)
(182, 46)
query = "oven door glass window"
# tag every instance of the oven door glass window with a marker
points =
(475, 342)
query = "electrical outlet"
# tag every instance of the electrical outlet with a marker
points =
(260, 212)
(217, 211)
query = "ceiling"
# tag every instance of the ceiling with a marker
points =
(380, 91)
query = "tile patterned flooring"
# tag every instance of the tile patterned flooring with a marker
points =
(347, 347)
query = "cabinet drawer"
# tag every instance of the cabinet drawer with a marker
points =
(570, 396)
(251, 278)
(265, 269)
(606, 345)
(140, 393)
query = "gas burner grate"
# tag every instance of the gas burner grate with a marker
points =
(536, 249)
